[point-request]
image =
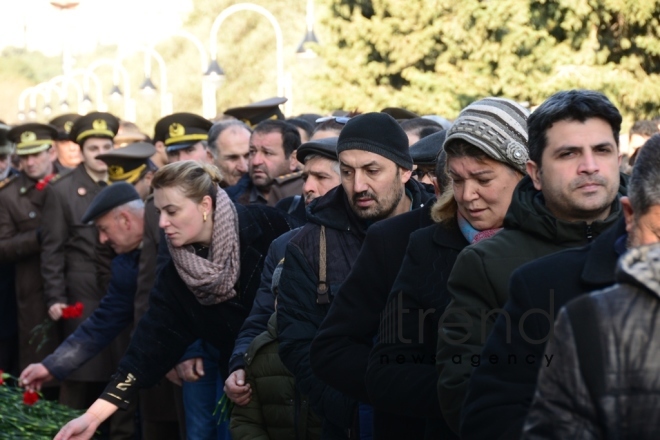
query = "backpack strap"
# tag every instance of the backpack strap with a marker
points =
(583, 317)
(322, 289)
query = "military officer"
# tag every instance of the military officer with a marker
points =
(68, 152)
(22, 198)
(131, 164)
(74, 265)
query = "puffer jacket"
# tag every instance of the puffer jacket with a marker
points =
(479, 284)
(623, 401)
(299, 314)
(276, 410)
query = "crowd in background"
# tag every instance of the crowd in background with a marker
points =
(376, 275)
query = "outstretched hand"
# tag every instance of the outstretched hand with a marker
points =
(34, 376)
(82, 428)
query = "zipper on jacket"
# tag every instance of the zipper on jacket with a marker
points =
(590, 233)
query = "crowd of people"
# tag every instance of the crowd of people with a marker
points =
(377, 275)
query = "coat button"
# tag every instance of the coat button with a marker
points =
(82, 191)
(32, 214)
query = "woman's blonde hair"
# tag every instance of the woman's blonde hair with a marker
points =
(445, 208)
(194, 179)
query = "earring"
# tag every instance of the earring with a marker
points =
(204, 216)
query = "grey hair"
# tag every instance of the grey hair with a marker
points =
(335, 163)
(135, 207)
(216, 130)
(644, 185)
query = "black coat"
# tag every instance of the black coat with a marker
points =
(175, 318)
(340, 350)
(603, 384)
(300, 316)
(500, 394)
(401, 376)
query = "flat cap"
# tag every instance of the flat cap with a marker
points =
(63, 124)
(129, 163)
(95, 124)
(181, 130)
(32, 138)
(425, 151)
(259, 111)
(326, 147)
(108, 199)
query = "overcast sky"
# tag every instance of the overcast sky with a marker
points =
(125, 22)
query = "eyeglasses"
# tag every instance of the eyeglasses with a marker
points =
(338, 119)
(420, 173)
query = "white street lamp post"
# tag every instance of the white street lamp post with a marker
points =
(215, 68)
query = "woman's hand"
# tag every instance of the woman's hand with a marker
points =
(82, 428)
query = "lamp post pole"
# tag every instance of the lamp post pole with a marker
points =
(165, 97)
(208, 88)
(213, 47)
(117, 69)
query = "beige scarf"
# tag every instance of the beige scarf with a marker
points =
(212, 280)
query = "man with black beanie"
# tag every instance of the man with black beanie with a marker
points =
(375, 184)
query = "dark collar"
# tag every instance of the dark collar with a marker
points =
(602, 257)
(449, 235)
(248, 227)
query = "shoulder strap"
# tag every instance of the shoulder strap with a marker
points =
(322, 289)
(583, 317)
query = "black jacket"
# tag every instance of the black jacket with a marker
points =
(618, 397)
(340, 350)
(300, 316)
(175, 318)
(401, 377)
(479, 283)
(263, 306)
(500, 393)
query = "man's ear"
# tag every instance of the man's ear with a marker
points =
(293, 162)
(628, 213)
(534, 172)
(52, 153)
(405, 175)
(148, 177)
(436, 187)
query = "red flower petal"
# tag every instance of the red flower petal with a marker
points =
(30, 398)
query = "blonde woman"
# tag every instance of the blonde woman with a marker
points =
(204, 289)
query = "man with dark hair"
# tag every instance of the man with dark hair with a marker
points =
(272, 170)
(230, 140)
(499, 395)
(568, 198)
(375, 185)
(602, 381)
(639, 133)
(414, 126)
(304, 128)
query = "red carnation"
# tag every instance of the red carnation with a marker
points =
(30, 397)
(2, 379)
(74, 311)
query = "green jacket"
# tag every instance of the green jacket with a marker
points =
(479, 284)
(276, 410)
